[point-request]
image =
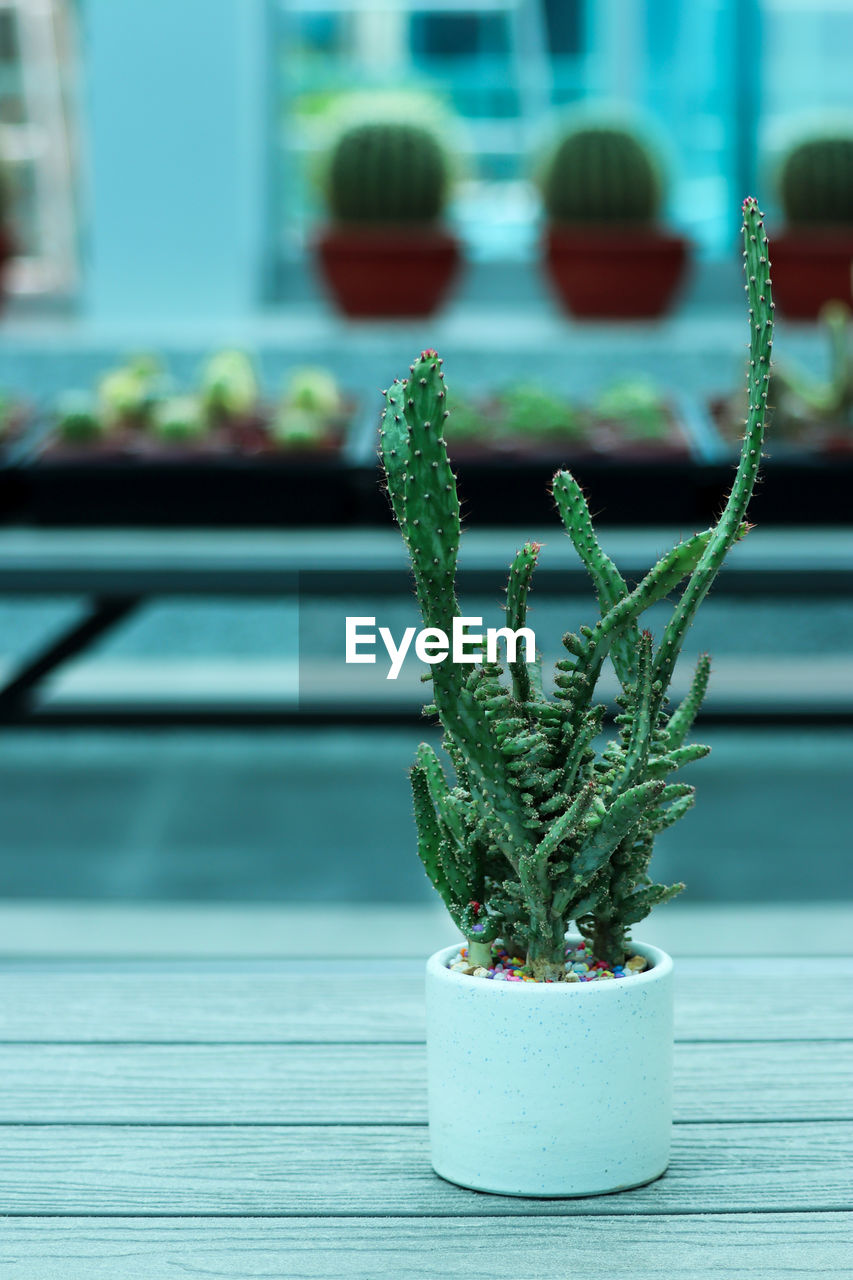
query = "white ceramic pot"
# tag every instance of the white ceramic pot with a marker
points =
(550, 1089)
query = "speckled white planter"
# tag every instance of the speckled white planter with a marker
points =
(550, 1089)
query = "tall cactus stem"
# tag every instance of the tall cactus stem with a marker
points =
(728, 527)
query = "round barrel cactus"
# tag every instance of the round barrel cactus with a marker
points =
(387, 172)
(816, 182)
(601, 174)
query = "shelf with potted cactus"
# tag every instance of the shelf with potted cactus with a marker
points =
(135, 451)
(539, 839)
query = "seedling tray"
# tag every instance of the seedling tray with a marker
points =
(682, 487)
(215, 484)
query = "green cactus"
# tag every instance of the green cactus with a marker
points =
(294, 428)
(538, 828)
(816, 182)
(229, 386)
(7, 413)
(314, 391)
(78, 418)
(522, 410)
(638, 406)
(468, 420)
(529, 411)
(128, 394)
(179, 420)
(601, 175)
(387, 172)
(310, 409)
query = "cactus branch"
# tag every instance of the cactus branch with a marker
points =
(610, 586)
(681, 720)
(728, 527)
(518, 588)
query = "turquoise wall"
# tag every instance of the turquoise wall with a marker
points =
(175, 109)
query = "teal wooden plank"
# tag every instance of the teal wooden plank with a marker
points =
(385, 1171)
(378, 1002)
(374, 1084)
(536, 1248)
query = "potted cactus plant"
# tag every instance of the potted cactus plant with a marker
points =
(7, 235)
(386, 184)
(605, 253)
(813, 255)
(541, 829)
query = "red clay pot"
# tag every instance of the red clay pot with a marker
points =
(616, 274)
(7, 252)
(386, 271)
(810, 268)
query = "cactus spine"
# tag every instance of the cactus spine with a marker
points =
(601, 175)
(538, 828)
(387, 172)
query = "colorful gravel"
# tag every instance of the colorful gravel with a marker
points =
(581, 966)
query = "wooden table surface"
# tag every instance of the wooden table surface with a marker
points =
(240, 1093)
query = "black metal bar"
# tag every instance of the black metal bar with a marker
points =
(16, 701)
(352, 581)
(235, 717)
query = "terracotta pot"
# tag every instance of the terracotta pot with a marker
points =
(811, 268)
(388, 271)
(550, 1089)
(7, 252)
(619, 273)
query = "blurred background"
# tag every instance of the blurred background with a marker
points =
(224, 226)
